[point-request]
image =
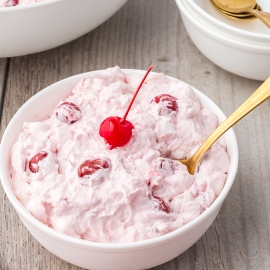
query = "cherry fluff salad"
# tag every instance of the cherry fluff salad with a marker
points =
(70, 176)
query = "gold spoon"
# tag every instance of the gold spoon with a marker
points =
(238, 16)
(241, 16)
(259, 96)
(240, 6)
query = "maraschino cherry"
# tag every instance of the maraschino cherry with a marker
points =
(11, 3)
(169, 100)
(162, 205)
(68, 113)
(89, 167)
(33, 163)
(118, 131)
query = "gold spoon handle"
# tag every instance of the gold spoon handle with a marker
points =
(263, 16)
(259, 96)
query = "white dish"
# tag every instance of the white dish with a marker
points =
(248, 31)
(91, 255)
(241, 58)
(41, 26)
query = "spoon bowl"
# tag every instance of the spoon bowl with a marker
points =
(258, 97)
(242, 9)
(233, 6)
(241, 16)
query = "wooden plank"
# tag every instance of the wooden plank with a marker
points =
(3, 70)
(141, 33)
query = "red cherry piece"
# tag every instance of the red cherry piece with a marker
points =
(12, 3)
(115, 132)
(169, 100)
(68, 112)
(89, 167)
(33, 163)
(163, 206)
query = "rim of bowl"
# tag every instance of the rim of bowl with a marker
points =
(260, 49)
(117, 247)
(28, 6)
(212, 19)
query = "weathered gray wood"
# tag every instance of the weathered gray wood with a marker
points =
(3, 69)
(141, 33)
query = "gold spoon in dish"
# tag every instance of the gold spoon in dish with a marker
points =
(258, 97)
(241, 6)
(241, 16)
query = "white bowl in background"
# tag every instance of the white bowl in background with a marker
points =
(241, 58)
(92, 255)
(44, 25)
(248, 31)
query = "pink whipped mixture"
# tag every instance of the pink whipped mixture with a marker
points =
(67, 177)
(11, 3)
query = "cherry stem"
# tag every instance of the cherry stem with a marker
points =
(137, 91)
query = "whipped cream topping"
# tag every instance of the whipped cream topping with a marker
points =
(11, 3)
(67, 177)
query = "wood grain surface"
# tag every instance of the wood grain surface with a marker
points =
(141, 33)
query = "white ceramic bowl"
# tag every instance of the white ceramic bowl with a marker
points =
(41, 26)
(241, 58)
(91, 255)
(248, 31)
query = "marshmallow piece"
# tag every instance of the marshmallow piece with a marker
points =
(165, 128)
(37, 209)
(142, 167)
(178, 153)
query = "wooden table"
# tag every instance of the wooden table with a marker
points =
(141, 33)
